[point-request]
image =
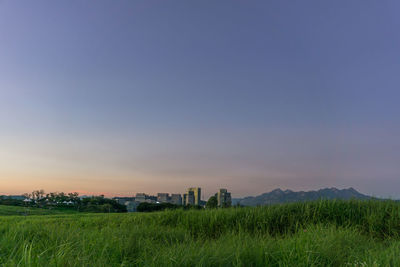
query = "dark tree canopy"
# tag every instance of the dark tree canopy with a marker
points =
(212, 203)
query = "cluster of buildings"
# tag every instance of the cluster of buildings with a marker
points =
(224, 198)
(191, 197)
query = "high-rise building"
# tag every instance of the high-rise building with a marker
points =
(224, 198)
(163, 197)
(176, 199)
(142, 197)
(194, 196)
(185, 199)
(190, 198)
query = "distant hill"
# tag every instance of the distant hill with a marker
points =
(279, 196)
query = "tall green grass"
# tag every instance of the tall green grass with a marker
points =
(323, 233)
(26, 211)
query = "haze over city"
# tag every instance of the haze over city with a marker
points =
(121, 97)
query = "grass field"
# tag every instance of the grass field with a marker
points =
(324, 233)
(15, 210)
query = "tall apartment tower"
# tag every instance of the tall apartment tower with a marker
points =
(224, 198)
(190, 198)
(163, 197)
(176, 199)
(185, 199)
(193, 196)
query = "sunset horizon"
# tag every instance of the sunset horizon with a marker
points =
(199, 133)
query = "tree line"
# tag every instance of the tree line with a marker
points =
(61, 200)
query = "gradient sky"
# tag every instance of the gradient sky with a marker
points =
(120, 97)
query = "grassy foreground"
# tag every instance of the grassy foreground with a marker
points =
(324, 233)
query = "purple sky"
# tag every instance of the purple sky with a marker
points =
(122, 97)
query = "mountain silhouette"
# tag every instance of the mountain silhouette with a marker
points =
(278, 196)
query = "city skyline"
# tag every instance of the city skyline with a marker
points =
(118, 97)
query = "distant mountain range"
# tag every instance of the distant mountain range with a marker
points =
(279, 196)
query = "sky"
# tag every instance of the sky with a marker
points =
(119, 97)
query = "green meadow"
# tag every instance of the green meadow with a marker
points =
(323, 233)
(26, 211)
